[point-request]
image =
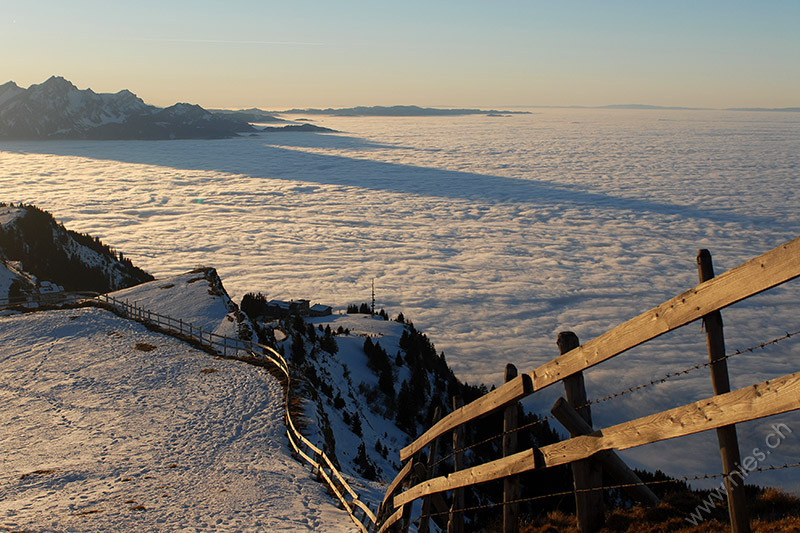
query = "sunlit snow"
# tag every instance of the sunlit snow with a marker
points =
(107, 426)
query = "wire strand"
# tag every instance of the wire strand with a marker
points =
(689, 369)
(609, 487)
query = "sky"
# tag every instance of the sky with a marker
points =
(465, 53)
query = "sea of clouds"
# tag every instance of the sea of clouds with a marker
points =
(491, 233)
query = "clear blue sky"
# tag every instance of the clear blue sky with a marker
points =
(441, 53)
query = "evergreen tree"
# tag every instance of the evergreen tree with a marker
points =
(254, 305)
(406, 410)
(364, 465)
(328, 342)
(298, 349)
(355, 424)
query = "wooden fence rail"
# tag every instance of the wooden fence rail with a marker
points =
(769, 398)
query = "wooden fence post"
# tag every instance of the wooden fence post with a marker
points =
(456, 522)
(418, 473)
(586, 473)
(510, 484)
(430, 472)
(726, 435)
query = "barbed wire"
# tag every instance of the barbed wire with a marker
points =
(657, 381)
(689, 369)
(490, 439)
(609, 487)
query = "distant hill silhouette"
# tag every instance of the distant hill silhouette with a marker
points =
(397, 111)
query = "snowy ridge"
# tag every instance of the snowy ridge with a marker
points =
(197, 298)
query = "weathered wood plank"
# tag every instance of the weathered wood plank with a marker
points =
(757, 401)
(430, 471)
(507, 466)
(329, 482)
(756, 275)
(750, 403)
(367, 511)
(399, 478)
(497, 399)
(397, 515)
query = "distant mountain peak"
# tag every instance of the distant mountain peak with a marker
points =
(57, 109)
(57, 83)
(8, 91)
(185, 109)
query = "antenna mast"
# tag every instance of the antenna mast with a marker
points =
(373, 296)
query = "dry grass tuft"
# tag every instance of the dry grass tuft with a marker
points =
(553, 522)
(38, 473)
(145, 347)
(771, 511)
(87, 512)
(773, 504)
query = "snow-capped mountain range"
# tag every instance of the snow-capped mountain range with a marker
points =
(57, 109)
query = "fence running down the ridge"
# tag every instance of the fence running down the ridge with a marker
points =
(359, 512)
(757, 401)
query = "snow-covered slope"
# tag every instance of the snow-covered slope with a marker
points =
(197, 297)
(371, 386)
(8, 215)
(14, 282)
(107, 426)
(49, 252)
(350, 379)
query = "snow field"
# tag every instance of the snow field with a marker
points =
(107, 426)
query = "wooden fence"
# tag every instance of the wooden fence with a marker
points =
(588, 446)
